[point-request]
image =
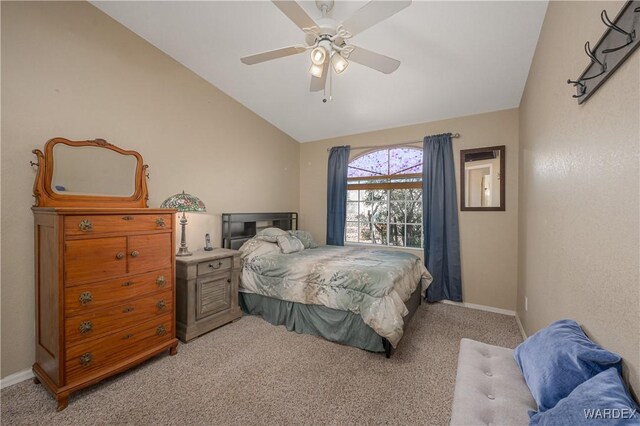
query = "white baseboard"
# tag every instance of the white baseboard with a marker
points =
(524, 334)
(15, 378)
(481, 307)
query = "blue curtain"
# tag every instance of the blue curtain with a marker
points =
(337, 194)
(440, 219)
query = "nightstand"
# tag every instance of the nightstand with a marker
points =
(206, 291)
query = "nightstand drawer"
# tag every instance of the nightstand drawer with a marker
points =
(213, 294)
(214, 265)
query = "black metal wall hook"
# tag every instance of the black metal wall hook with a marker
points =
(619, 41)
(582, 89)
(594, 60)
(630, 36)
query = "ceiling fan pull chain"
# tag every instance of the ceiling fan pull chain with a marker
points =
(330, 83)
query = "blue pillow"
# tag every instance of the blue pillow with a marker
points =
(602, 398)
(556, 359)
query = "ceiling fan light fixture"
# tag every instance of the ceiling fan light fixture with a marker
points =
(316, 70)
(318, 55)
(339, 63)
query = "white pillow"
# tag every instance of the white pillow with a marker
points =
(255, 247)
(306, 238)
(270, 234)
(289, 244)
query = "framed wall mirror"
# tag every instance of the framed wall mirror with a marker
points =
(91, 173)
(482, 179)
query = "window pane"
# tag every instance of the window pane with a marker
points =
(405, 158)
(351, 232)
(373, 195)
(399, 194)
(396, 235)
(352, 211)
(373, 211)
(380, 233)
(365, 232)
(414, 236)
(414, 212)
(416, 169)
(397, 211)
(352, 195)
(370, 164)
(414, 194)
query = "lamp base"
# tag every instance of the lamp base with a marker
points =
(183, 251)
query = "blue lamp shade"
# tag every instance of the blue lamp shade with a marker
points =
(184, 203)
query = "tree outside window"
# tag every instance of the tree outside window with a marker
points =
(384, 198)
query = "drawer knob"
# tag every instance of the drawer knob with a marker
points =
(161, 304)
(127, 217)
(85, 225)
(214, 266)
(127, 336)
(85, 359)
(135, 253)
(119, 255)
(85, 297)
(161, 281)
(127, 309)
(160, 222)
(229, 280)
(160, 331)
(85, 327)
(127, 283)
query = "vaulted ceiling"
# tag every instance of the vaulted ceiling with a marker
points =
(458, 58)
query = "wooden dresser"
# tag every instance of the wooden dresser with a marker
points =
(105, 294)
(207, 291)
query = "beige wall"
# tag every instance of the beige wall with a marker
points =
(578, 223)
(488, 239)
(69, 70)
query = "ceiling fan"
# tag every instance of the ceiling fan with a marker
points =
(327, 39)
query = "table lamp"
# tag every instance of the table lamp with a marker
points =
(183, 203)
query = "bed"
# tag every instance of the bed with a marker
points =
(362, 297)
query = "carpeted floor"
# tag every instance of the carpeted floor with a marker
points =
(253, 373)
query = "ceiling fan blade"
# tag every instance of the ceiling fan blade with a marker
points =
(296, 13)
(372, 13)
(272, 54)
(317, 84)
(374, 60)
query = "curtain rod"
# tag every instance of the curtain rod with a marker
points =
(454, 135)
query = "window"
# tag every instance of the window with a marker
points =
(384, 198)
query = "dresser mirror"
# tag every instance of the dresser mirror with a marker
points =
(482, 179)
(92, 170)
(89, 173)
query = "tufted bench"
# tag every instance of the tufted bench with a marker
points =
(490, 389)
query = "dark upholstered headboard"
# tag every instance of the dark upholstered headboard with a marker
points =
(239, 227)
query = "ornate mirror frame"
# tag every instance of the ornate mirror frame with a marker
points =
(501, 176)
(46, 197)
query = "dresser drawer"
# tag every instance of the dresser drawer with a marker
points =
(215, 265)
(94, 259)
(149, 252)
(104, 321)
(87, 297)
(95, 224)
(213, 294)
(89, 358)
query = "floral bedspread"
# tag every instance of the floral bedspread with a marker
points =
(374, 283)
